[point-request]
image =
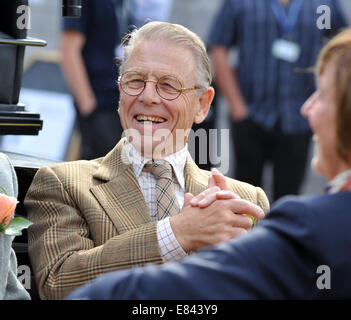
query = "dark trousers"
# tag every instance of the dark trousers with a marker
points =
(208, 124)
(100, 132)
(254, 146)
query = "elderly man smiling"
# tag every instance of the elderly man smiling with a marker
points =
(132, 207)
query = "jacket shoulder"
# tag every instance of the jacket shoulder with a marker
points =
(70, 175)
(250, 192)
(319, 206)
(68, 168)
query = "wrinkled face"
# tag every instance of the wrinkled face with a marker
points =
(319, 109)
(155, 123)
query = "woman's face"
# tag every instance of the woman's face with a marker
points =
(319, 110)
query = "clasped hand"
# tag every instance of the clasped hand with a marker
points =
(213, 216)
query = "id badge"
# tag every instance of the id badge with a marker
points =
(119, 52)
(286, 50)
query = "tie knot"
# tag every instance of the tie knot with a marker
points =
(160, 169)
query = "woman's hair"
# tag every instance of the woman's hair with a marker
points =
(337, 54)
(173, 34)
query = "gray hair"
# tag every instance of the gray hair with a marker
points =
(173, 34)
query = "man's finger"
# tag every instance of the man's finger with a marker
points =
(219, 179)
(226, 195)
(204, 194)
(241, 221)
(211, 182)
(187, 198)
(208, 200)
(241, 206)
(210, 196)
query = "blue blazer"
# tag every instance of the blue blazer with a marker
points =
(301, 250)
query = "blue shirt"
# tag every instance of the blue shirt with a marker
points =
(274, 89)
(98, 24)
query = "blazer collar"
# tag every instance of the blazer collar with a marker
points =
(196, 180)
(113, 163)
(120, 194)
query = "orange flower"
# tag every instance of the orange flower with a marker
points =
(7, 208)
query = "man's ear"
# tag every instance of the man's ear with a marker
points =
(205, 101)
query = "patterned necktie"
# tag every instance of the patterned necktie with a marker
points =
(167, 204)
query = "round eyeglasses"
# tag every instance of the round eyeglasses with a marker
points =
(167, 87)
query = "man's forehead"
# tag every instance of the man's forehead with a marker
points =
(162, 47)
(153, 72)
(160, 58)
(157, 43)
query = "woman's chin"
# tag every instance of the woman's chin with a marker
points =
(316, 166)
(322, 168)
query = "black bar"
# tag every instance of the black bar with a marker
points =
(71, 8)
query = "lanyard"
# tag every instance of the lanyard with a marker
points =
(287, 20)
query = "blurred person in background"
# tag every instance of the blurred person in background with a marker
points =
(204, 140)
(277, 41)
(89, 46)
(300, 250)
(144, 11)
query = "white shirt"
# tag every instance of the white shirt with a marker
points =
(169, 246)
(339, 181)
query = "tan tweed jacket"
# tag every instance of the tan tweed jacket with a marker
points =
(90, 218)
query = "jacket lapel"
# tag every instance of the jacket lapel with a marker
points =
(120, 196)
(196, 180)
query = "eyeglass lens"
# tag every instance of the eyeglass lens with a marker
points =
(168, 87)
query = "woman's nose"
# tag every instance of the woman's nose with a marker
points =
(305, 109)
